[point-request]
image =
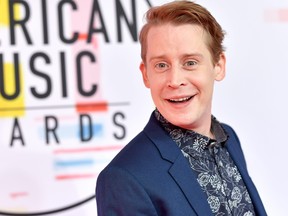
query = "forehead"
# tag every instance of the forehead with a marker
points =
(171, 38)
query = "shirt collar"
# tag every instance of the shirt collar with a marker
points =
(175, 132)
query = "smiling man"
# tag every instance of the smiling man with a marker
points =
(180, 71)
(184, 162)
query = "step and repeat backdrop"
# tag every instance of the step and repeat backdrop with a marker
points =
(71, 96)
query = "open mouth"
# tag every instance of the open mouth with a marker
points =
(180, 100)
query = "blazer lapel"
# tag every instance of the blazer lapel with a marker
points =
(180, 169)
(186, 180)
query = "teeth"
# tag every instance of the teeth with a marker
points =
(180, 99)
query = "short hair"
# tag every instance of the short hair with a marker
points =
(184, 12)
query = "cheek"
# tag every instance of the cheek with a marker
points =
(156, 81)
(157, 90)
(204, 84)
(154, 88)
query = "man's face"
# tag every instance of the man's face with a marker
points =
(180, 74)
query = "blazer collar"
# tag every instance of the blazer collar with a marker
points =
(180, 169)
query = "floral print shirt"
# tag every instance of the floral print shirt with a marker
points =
(216, 172)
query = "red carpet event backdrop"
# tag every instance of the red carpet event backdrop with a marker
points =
(71, 96)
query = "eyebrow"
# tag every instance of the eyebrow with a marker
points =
(198, 55)
(156, 57)
(188, 55)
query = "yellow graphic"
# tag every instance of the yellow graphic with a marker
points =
(16, 106)
(4, 12)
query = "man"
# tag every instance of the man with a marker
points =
(184, 162)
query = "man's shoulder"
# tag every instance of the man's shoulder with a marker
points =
(228, 129)
(138, 151)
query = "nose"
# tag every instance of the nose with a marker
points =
(176, 78)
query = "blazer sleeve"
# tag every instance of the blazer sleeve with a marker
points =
(119, 193)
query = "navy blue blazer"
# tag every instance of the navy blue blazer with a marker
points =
(150, 176)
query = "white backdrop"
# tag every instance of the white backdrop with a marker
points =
(44, 165)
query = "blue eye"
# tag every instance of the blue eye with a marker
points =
(161, 65)
(190, 63)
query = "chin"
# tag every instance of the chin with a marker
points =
(181, 122)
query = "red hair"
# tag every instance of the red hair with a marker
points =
(184, 12)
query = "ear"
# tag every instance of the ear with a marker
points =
(220, 68)
(143, 70)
